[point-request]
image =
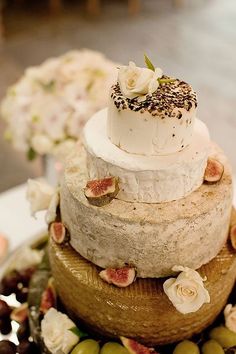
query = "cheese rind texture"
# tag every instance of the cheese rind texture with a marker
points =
(150, 237)
(160, 124)
(148, 179)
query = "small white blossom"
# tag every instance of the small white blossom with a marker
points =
(42, 144)
(55, 329)
(52, 208)
(230, 317)
(39, 194)
(186, 292)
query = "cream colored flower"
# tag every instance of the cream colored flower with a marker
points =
(186, 292)
(62, 150)
(230, 317)
(52, 208)
(135, 81)
(39, 194)
(42, 144)
(55, 328)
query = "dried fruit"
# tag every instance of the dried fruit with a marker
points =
(20, 314)
(135, 347)
(233, 236)
(57, 232)
(214, 171)
(101, 191)
(224, 336)
(7, 347)
(49, 297)
(121, 277)
(5, 310)
(212, 347)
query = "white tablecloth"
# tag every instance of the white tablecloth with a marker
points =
(15, 220)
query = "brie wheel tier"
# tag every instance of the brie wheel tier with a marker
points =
(148, 179)
(141, 311)
(160, 124)
(150, 237)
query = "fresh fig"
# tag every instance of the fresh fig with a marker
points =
(57, 232)
(233, 236)
(121, 277)
(49, 297)
(100, 192)
(134, 347)
(214, 171)
(20, 314)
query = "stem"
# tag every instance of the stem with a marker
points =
(165, 81)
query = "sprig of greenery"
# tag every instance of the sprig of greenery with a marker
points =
(165, 81)
(31, 154)
(148, 63)
(49, 86)
(78, 332)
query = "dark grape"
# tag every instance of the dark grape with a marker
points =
(5, 310)
(5, 326)
(22, 294)
(7, 347)
(23, 331)
(26, 347)
(25, 275)
(9, 283)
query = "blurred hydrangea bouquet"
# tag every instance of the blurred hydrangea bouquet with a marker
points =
(46, 109)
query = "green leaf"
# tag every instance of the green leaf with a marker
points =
(78, 332)
(49, 86)
(148, 63)
(165, 81)
(31, 154)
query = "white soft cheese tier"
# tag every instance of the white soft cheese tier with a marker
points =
(161, 124)
(149, 179)
(151, 237)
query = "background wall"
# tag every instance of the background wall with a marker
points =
(195, 42)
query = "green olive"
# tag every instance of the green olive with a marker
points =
(113, 348)
(224, 336)
(186, 347)
(212, 347)
(88, 346)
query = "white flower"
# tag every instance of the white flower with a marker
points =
(230, 317)
(56, 333)
(186, 292)
(63, 150)
(41, 144)
(39, 194)
(52, 208)
(26, 257)
(135, 81)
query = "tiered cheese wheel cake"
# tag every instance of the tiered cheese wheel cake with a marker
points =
(163, 221)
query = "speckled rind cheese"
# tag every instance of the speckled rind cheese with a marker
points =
(151, 237)
(160, 124)
(142, 311)
(148, 179)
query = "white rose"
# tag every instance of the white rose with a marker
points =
(230, 317)
(52, 209)
(63, 150)
(41, 144)
(27, 257)
(39, 194)
(135, 81)
(186, 292)
(56, 333)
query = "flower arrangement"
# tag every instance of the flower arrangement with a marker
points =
(46, 109)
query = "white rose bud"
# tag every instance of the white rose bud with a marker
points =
(55, 328)
(52, 209)
(230, 317)
(39, 194)
(41, 144)
(135, 81)
(186, 292)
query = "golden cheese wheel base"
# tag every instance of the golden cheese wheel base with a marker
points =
(141, 311)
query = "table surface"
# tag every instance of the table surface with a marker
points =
(15, 220)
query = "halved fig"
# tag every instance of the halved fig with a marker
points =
(100, 192)
(20, 314)
(134, 347)
(57, 232)
(233, 236)
(121, 277)
(49, 297)
(214, 171)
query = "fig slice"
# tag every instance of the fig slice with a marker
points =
(214, 171)
(100, 192)
(232, 235)
(134, 347)
(20, 314)
(57, 232)
(49, 297)
(121, 277)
